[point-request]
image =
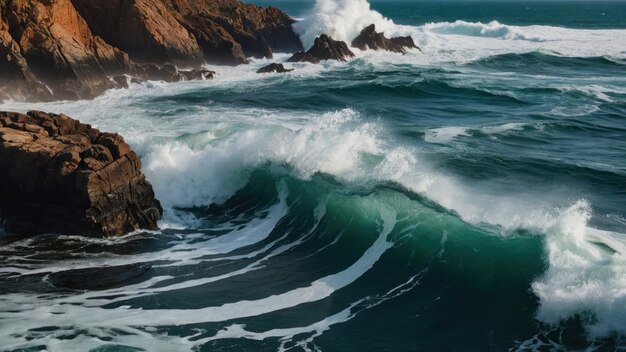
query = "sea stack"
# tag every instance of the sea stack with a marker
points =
(324, 48)
(60, 176)
(370, 39)
(274, 68)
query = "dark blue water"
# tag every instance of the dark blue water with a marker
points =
(467, 197)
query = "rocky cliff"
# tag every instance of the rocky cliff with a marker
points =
(71, 49)
(58, 175)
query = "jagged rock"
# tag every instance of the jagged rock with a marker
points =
(218, 46)
(302, 56)
(49, 44)
(18, 81)
(324, 48)
(58, 175)
(370, 39)
(121, 81)
(169, 73)
(74, 49)
(162, 31)
(145, 29)
(278, 68)
(258, 30)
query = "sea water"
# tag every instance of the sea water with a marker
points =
(468, 196)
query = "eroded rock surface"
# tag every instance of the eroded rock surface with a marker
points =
(58, 175)
(77, 49)
(324, 48)
(370, 39)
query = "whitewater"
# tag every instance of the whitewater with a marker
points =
(469, 195)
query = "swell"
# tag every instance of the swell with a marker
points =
(367, 235)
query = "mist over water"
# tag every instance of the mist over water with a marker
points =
(469, 196)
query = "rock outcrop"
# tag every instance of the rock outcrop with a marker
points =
(58, 175)
(182, 31)
(145, 29)
(50, 46)
(274, 68)
(370, 39)
(324, 48)
(76, 49)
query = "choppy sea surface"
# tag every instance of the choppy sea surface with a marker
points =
(471, 196)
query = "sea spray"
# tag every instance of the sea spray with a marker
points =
(499, 148)
(340, 19)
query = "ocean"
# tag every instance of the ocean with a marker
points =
(470, 196)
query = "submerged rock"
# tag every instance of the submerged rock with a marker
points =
(58, 175)
(370, 39)
(170, 73)
(324, 48)
(274, 67)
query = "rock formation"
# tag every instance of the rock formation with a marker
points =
(370, 39)
(277, 68)
(52, 47)
(75, 49)
(58, 175)
(181, 31)
(324, 48)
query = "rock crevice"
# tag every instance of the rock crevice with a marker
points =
(58, 175)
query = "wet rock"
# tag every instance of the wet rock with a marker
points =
(58, 175)
(76, 49)
(49, 45)
(170, 73)
(274, 67)
(181, 31)
(324, 48)
(145, 29)
(370, 39)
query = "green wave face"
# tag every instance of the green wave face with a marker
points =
(468, 197)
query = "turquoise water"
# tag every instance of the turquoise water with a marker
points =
(467, 197)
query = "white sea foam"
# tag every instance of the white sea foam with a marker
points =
(492, 29)
(126, 319)
(444, 134)
(582, 277)
(459, 41)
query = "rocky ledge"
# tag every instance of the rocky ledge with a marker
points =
(58, 175)
(370, 39)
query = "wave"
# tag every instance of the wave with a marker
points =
(461, 41)
(341, 19)
(493, 29)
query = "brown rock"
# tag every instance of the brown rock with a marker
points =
(324, 48)
(59, 48)
(145, 29)
(370, 39)
(58, 175)
(258, 30)
(76, 49)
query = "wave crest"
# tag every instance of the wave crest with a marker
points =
(493, 29)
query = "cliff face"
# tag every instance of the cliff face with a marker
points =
(50, 44)
(145, 29)
(181, 31)
(71, 49)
